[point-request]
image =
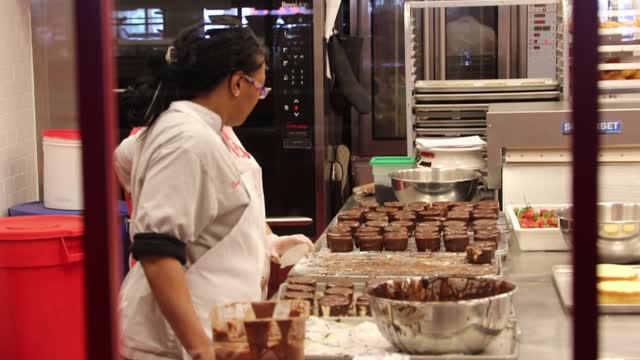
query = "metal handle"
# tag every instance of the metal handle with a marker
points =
(71, 257)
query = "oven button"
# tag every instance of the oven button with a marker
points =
(286, 108)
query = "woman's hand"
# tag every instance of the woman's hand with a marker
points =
(280, 244)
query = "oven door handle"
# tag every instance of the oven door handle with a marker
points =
(289, 221)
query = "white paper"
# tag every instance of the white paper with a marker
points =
(361, 341)
(293, 255)
(460, 142)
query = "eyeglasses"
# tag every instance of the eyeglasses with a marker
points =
(263, 90)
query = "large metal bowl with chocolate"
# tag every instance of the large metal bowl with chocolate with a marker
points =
(432, 184)
(618, 231)
(441, 315)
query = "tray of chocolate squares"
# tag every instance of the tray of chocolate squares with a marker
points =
(340, 297)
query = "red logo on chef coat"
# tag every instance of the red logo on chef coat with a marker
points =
(235, 148)
(235, 184)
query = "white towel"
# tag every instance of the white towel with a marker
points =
(460, 142)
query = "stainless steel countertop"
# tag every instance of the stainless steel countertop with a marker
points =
(546, 326)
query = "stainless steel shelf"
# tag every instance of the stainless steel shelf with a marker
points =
(471, 3)
(619, 66)
(502, 96)
(631, 85)
(451, 132)
(618, 48)
(617, 13)
(619, 31)
(480, 86)
(451, 123)
(450, 107)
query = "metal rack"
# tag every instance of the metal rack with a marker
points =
(620, 42)
(452, 108)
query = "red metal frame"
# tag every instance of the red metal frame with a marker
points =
(585, 177)
(97, 112)
(98, 127)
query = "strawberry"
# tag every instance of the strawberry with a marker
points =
(526, 223)
(545, 213)
(528, 213)
(540, 223)
(552, 222)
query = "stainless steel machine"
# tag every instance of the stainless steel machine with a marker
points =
(529, 154)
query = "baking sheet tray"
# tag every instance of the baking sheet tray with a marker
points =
(364, 266)
(425, 108)
(497, 96)
(467, 86)
(563, 278)
(350, 338)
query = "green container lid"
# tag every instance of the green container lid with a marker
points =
(392, 160)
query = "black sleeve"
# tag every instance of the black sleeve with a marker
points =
(158, 244)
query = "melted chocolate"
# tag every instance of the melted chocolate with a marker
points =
(441, 289)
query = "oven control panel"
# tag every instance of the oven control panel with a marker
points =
(541, 40)
(293, 61)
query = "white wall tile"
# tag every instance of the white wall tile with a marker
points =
(18, 174)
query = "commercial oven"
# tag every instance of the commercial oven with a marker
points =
(287, 132)
(452, 40)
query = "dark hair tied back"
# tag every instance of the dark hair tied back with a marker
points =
(198, 62)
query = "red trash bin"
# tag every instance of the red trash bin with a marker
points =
(42, 288)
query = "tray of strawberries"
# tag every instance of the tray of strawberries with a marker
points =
(535, 227)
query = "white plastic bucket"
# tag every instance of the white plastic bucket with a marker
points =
(62, 178)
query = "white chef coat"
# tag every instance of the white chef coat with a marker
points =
(185, 182)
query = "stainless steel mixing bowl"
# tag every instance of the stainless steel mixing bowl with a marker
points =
(442, 315)
(432, 184)
(618, 231)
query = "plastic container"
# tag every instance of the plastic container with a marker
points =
(62, 158)
(37, 208)
(382, 166)
(454, 158)
(42, 309)
(549, 239)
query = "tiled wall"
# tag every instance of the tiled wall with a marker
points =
(18, 170)
(54, 65)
